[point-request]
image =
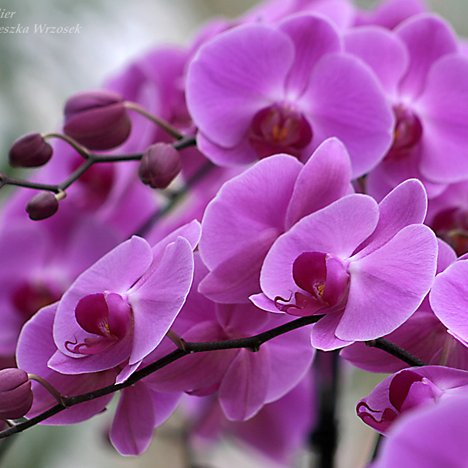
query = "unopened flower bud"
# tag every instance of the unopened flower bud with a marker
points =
(97, 119)
(42, 206)
(159, 165)
(30, 150)
(16, 396)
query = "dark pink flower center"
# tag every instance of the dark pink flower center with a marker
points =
(279, 129)
(452, 226)
(407, 132)
(324, 280)
(409, 389)
(105, 315)
(31, 296)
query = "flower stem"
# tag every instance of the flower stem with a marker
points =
(252, 343)
(161, 123)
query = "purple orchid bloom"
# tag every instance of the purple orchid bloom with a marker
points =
(302, 90)
(367, 267)
(426, 86)
(141, 407)
(449, 299)
(409, 390)
(119, 309)
(252, 210)
(432, 438)
(35, 347)
(423, 335)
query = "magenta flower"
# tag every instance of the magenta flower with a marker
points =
(423, 335)
(367, 267)
(449, 299)
(302, 90)
(253, 209)
(433, 437)
(408, 390)
(141, 407)
(426, 85)
(119, 310)
(35, 347)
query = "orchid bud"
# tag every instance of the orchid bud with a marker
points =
(42, 206)
(30, 150)
(97, 119)
(159, 165)
(16, 396)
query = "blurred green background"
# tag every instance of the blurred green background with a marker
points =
(37, 72)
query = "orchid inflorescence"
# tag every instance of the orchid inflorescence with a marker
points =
(311, 167)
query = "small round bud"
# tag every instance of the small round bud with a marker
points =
(159, 165)
(30, 150)
(97, 119)
(16, 396)
(42, 206)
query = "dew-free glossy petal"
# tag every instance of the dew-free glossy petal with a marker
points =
(388, 285)
(325, 178)
(345, 100)
(157, 300)
(225, 90)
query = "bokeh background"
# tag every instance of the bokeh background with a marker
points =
(37, 73)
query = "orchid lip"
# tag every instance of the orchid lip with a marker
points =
(105, 316)
(407, 132)
(279, 128)
(323, 281)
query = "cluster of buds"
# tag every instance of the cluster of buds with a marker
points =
(93, 121)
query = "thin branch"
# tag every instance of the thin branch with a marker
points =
(75, 175)
(80, 149)
(396, 351)
(161, 123)
(90, 160)
(252, 343)
(6, 180)
(325, 435)
(378, 443)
